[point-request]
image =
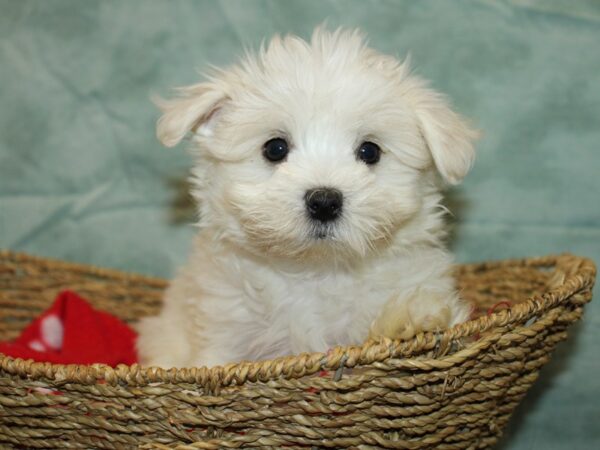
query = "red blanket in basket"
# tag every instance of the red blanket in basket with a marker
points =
(72, 332)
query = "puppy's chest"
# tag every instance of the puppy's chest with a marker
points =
(318, 312)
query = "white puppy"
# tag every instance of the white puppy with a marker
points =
(318, 175)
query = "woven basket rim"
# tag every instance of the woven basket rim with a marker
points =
(579, 275)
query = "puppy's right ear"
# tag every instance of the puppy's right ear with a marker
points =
(194, 109)
(448, 136)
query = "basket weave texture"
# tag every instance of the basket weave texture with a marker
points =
(449, 390)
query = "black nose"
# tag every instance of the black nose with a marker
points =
(323, 204)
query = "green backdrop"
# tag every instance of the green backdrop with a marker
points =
(83, 178)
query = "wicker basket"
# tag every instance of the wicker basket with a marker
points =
(451, 390)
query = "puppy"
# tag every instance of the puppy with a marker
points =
(318, 172)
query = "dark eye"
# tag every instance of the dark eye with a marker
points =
(368, 152)
(275, 150)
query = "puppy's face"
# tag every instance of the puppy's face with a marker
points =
(322, 148)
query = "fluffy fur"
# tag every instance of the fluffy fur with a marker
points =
(260, 283)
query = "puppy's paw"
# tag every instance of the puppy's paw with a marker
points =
(394, 322)
(404, 317)
(161, 344)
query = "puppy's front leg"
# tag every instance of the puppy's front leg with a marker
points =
(162, 341)
(403, 316)
(170, 340)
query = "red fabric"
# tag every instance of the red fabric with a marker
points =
(72, 332)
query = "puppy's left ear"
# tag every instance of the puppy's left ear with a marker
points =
(194, 109)
(448, 136)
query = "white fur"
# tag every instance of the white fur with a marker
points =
(258, 284)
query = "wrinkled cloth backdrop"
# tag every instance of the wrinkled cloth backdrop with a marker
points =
(83, 178)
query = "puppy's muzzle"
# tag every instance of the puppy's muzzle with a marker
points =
(324, 204)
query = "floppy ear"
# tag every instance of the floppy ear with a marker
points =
(194, 109)
(448, 136)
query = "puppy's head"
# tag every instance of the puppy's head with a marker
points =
(323, 147)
